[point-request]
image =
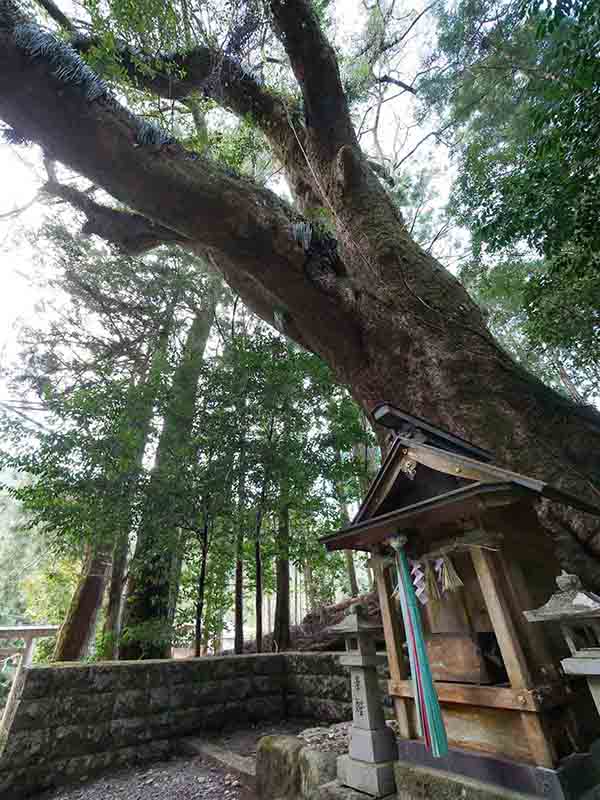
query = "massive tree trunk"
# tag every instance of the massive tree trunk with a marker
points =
(150, 599)
(392, 323)
(77, 629)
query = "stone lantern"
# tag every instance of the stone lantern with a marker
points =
(578, 613)
(368, 767)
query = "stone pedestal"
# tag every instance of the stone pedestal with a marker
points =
(368, 767)
(375, 779)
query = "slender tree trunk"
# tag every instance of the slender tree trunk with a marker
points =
(309, 588)
(238, 645)
(201, 586)
(74, 635)
(281, 627)
(295, 595)
(148, 625)
(112, 622)
(259, 591)
(257, 550)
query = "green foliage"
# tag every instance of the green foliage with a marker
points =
(503, 289)
(519, 85)
(241, 147)
(272, 431)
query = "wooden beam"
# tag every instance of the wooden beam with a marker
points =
(488, 696)
(465, 467)
(394, 639)
(492, 579)
(493, 588)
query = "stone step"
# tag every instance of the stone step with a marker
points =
(243, 766)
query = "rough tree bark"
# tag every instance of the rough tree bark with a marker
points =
(150, 599)
(76, 631)
(392, 323)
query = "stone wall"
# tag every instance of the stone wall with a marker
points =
(71, 720)
(318, 687)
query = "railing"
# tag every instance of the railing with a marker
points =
(28, 634)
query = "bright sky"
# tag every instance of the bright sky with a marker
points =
(17, 298)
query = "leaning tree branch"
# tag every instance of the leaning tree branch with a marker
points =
(256, 238)
(388, 79)
(316, 69)
(202, 70)
(132, 233)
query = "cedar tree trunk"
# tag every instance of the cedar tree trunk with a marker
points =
(392, 323)
(76, 631)
(150, 593)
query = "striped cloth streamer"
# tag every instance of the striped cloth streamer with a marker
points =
(429, 715)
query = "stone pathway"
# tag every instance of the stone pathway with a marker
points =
(180, 778)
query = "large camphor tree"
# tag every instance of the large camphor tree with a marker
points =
(392, 323)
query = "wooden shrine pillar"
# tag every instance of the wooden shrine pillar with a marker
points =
(489, 568)
(394, 638)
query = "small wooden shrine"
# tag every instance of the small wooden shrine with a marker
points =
(479, 559)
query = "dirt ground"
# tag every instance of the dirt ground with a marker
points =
(180, 778)
(183, 778)
(195, 778)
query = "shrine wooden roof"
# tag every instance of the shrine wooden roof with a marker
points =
(431, 479)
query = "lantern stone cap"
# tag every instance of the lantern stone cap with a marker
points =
(355, 622)
(571, 602)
